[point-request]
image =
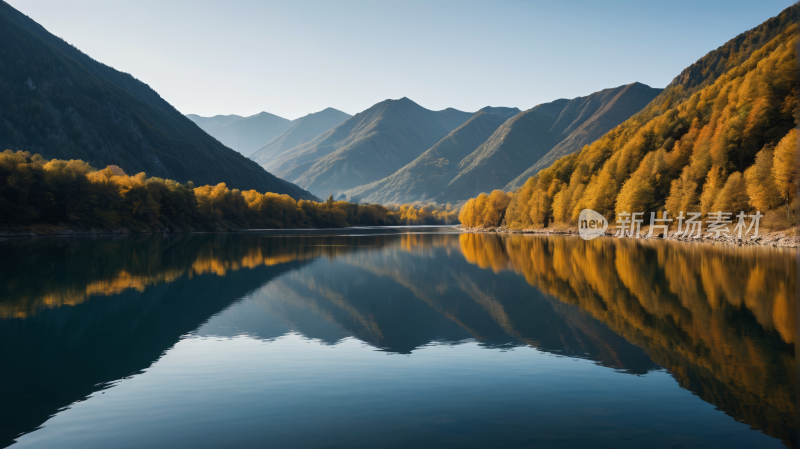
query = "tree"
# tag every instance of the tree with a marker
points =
(682, 194)
(66, 177)
(784, 168)
(761, 182)
(496, 205)
(714, 183)
(22, 179)
(733, 195)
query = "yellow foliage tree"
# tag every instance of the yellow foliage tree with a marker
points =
(784, 168)
(733, 195)
(761, 183)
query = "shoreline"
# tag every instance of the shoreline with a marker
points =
(6, 234)
(777, 239)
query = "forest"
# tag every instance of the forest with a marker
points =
(51, 195)
(731, 146)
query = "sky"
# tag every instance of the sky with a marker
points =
(292, 58)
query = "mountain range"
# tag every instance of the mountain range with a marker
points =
(242, 134)
(264, 136)
(367, 147)
(468, 161)
(398, 151)
(721, 136)
(61, 103)
(300, 131)
(429, 174)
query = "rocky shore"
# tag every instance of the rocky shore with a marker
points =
(784, 239)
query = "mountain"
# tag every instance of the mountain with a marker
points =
(60, 103)
(300, 131)
(426, 176)
(605, 110)
(562, 126)
(367, 147)
(504, 112)
(721, 137)
(243, 134)
(209, 123)
(469, 161)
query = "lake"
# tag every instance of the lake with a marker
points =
(409, 337)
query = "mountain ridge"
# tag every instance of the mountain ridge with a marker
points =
(301, 131)
(624, 103)
(530, 136)
(520, 140)
(367, 147)
(69, 106)
(431, 171)
(243, 134)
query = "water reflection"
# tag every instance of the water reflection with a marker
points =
(81, 313)
(720, 318)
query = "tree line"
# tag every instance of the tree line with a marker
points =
(41, 194)
(731, 146)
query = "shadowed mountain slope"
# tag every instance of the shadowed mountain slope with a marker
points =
(367, 147)
(531, 135)
(60, 103)
(302, 130)
(210, 123)
(428, 174)
(605, 110)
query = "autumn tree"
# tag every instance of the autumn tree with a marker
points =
(495, 208)
(761, 182)
(784, 168)
(733, 195)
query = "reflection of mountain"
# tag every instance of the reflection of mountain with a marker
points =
(450, 301)
(162, 287)
(77, 269)
(63, 355)
(720, 319)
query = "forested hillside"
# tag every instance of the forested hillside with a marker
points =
(60, 103)
(59, 195)
(721, 137)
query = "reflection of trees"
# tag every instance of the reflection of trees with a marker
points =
(63, 355)
(720, 318)
(53, 272)
(458, 301)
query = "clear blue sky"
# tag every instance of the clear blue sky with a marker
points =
(294, 57)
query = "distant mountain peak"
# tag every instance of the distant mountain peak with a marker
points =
(501, 111)
(367, 147)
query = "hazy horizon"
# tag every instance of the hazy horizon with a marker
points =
(291, 59)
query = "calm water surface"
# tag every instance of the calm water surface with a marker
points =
(394, 338)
